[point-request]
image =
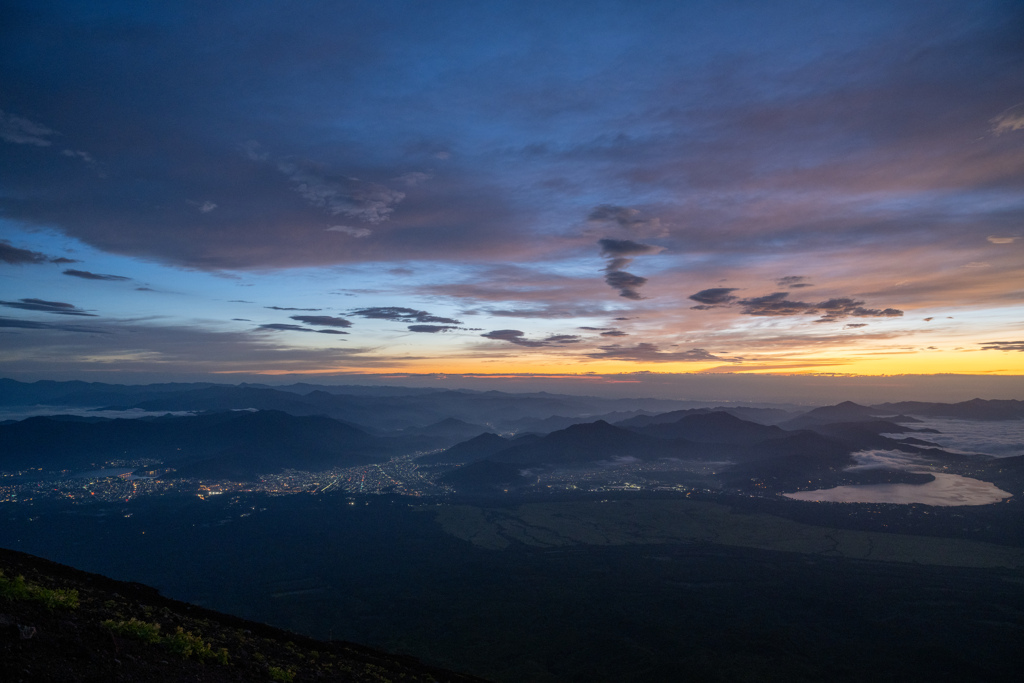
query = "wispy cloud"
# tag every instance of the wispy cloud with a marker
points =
(349, 230)
(22, 131)
(1010, 120)
(1003, 346)
(341, 195)
(650, 353)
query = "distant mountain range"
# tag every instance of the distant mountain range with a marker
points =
(373, 408)
(975, 409)
(246, 430)
(757, 455)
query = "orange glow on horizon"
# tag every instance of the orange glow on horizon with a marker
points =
(861, 364)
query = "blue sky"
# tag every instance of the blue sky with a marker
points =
(557, 187)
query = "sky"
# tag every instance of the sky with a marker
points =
(511, 190)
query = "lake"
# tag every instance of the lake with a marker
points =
(947, 490)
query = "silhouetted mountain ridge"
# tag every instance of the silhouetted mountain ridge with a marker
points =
(712, 427)
(974, 409)
(477, 448)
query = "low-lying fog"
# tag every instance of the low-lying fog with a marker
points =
(998, 438)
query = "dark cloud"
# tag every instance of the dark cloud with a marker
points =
(402, 315)
(620, 254)
(58, 307)
(793, 282)
(144, 289)
(1003, 346)
(714, 297)
(563, 339)
(33, 325)
(513, 336)
(649, 353)
(836, 309)
(778, 304)
(620, 248)
(324, 320)
(632, 220)
(431, 328)
(242, 320)
(286, 308)
(330, 331)
(86, 275)
(16, 256)
(274, 207)
(854, 326)
(614, 333)
(627, 283)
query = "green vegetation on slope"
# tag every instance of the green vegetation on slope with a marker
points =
(67, 625)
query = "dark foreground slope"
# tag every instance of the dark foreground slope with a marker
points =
(62, 624)
(588, 588)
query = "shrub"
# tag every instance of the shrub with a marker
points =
(14, 589)
(283, 675)
(58, 597)
(185, 644)
(181, 642)
(133, 628)
(20, 589)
